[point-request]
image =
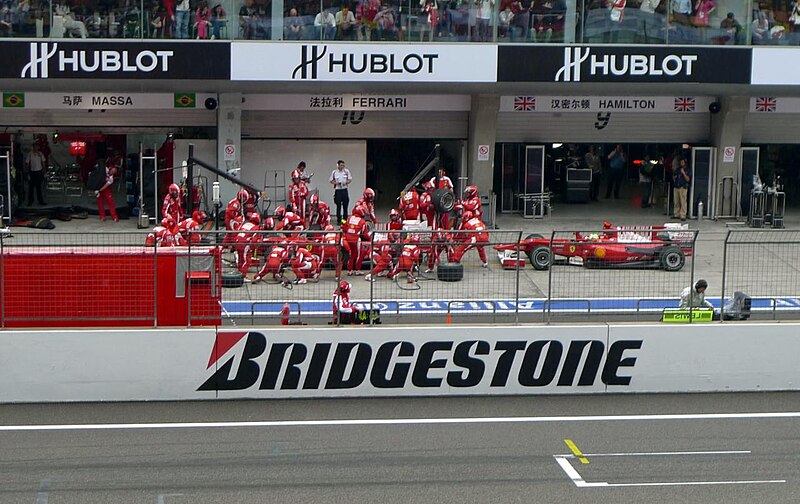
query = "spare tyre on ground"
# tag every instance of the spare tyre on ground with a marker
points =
(450, 272)
(232, 278)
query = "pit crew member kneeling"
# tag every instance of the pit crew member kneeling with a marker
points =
(475, 236)
(344, 312)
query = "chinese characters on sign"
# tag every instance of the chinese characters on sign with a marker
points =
(325, 102)
(72, 101)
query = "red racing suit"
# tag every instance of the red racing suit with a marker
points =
(426, 208)
(172, 207)
(305, 264)
(244, 245)
(291, 222)
(161, 237)
(184, 234)
(298, 195)
(382, 253)
(319, 216)
(470, 240)
(410, 205)
(276, 260)
(369, 210)
(354, 230)
(409, 257)
(473, 205)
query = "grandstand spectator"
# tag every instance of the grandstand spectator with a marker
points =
(293, 28)
(345, 24)
(324, 25)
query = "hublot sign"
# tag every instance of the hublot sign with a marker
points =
(623, 64)
(115, 60)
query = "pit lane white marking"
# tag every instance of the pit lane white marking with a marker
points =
(401, 421)
(574, 476)
(42, 495)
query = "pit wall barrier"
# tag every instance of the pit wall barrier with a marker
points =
(197, 364)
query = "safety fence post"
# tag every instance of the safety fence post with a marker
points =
(724, 274)
(549, 300)
(516, 294)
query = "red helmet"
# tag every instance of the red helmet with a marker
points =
(393, 237)
(168, 222)
(236, 224)
(394, 215)
(466, 216)
(269, 223)
(359, 211)
(236, 206)
(344, 287)
(314, 200)
(329, 228)
(280, 212)
(199, 216)
(254, 218)
(428, 185)
(369, 195)
(174, 190)
(470, 191)
(242, 195)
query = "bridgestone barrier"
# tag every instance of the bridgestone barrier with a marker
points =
(140, 365)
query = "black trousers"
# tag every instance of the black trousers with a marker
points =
(36, 183)
(342, 199)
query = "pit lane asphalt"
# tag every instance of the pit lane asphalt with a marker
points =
(460, 462)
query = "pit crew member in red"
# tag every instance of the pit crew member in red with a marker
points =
(173, 206)
(472, 202)
(409, 205)
(319, 215)
(343, 310)
(305, 265)
(354, 231)
(105, 196)
(476, 237)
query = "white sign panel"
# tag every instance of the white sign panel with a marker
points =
(321, 102)
(113, 101)
(363, 62)
(629, 104)
(774, 66)
(132, 364)
(483, 153)
(728, 154)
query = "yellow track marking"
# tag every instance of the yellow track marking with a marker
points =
(575, 451)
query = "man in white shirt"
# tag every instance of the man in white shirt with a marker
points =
(324, 25)
(340, 179)
(36, 171)
(345, 24)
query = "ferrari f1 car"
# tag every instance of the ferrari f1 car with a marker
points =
(615, 247)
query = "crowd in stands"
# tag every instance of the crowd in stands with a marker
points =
(610, 21)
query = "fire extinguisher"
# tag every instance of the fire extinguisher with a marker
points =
(285, 312)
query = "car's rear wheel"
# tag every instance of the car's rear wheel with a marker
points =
(541, 257)
(672, 259)
(534, 236)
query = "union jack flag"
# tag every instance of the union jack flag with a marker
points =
(766, 104)
(524, 103)
(684, 104)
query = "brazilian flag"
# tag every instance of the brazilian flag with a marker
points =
(184, 100)
(13, 100)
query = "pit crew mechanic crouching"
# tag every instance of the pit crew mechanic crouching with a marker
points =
(695, 296)
(343, 310)
(473, 239)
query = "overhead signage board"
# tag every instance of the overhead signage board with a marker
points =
(103, 101)
(593, 104)
(623, 64)
(320, 62)
(106, 59)
(375, 102)
(775, 66)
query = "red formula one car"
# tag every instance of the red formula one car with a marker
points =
(614, 247)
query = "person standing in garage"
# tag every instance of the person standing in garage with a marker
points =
(616, 171)
(105, 195)
(680, 181)
(340, 179)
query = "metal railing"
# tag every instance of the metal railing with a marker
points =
(113, 279)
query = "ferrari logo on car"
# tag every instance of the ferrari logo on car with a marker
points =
(572, 248)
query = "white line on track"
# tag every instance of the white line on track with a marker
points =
(402, 421)
(644, 454)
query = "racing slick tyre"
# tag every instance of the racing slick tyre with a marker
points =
(541, 257)
(232, 279)
(444, 200)
(450, 272)
(672, 258)
(533, 236)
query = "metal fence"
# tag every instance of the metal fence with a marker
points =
(764, 264)
(57, 279)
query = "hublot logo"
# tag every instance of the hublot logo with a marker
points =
(91, 61)
(623, 65)
(315, 59)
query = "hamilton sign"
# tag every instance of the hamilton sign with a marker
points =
(115, 60)
(363, 63)
(623, 64)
